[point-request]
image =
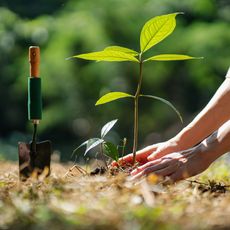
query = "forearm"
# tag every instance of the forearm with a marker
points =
(218, 143)
(216, 113)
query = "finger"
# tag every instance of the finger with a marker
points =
(157, 154)
(141, 156)
(144, 172)
(144, 166)
(114, 164)
(179, 175)
(153, 165)
(123, 161)
(167, 171)
(164, 169)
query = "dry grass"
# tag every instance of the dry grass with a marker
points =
(112, 202)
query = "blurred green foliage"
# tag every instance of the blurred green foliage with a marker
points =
(71, 88)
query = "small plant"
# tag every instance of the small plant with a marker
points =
(154, 31)
(106, 148)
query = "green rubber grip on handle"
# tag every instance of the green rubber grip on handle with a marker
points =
(34, 99)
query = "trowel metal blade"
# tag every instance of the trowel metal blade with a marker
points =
(34, 163)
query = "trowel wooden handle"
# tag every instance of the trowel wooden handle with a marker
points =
(34, 86)
(34, 59)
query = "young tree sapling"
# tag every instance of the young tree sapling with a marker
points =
(154, 31)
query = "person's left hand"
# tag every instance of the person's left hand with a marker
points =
(176, 166)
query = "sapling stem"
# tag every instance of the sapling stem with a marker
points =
(123, 147)
(136, 110)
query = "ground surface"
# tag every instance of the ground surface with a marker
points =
(102, 202)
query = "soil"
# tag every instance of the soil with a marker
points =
(73, 199)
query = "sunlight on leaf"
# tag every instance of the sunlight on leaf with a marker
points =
(157, 29)
(166, 102)
(111, 97)
(111, 150)
(122, 49)
(92, 143)
(107, 55)
(107, 127)
(171, 57)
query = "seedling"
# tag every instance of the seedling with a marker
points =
(154, 31)
(106, 148)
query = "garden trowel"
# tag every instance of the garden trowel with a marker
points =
(34, 157)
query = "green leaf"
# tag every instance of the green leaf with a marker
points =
(171, 57)
(111, 97)
(157, 29)
(122, 49)
(107, 55)
(166, 102)
(92, 143)
(111, 150)
(75, 150)
(107, 127)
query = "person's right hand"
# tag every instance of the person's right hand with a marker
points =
(150, 153)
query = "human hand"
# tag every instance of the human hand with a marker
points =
(150, 152)
(177, 165)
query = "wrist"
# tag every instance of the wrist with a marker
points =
(177, 142)
(186, 138)
(211, 148)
